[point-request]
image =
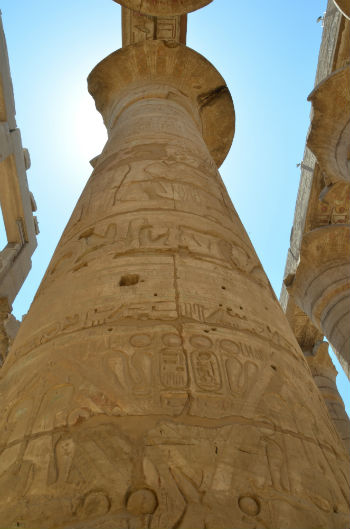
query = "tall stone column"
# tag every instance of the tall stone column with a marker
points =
(5, 310)
(155, 382)
(325, 373)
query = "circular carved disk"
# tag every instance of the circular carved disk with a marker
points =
(249, 505)
(142, 501)
(164, 7)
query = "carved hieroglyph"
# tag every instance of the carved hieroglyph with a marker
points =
(155, 382)
(138, 27)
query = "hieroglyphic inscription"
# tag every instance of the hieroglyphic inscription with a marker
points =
(156, 370)
(138, 27)
(163, 388)
(140, 234)
(173, 369)
(241, 375)
(168, 28)
(333, 208)
(206, 369)
(179, 172)
(164, 310)
(167, 310)
(205, 364)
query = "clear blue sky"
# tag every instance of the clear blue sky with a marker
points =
(266, 51)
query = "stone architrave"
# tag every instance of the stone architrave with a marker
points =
(137, 27)
(155, 382)
(160, 8)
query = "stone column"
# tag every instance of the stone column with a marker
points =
(322, 369)
(155, 382)
(324, 373)
(321, 283)
(5, 310)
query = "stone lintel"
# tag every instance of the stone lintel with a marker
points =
(138, 27)
(164, 7)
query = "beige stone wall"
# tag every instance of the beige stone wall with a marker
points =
(17, 203)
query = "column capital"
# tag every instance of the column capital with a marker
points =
(330, 125)
(175, 65)
(344, 7)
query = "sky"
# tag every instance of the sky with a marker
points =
(266, 51)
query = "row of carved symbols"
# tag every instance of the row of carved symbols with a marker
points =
(108, 314)
(135, 372)
(194, 162)
(174, 182)
(166, 310)
(227, 318)
(207, 366)
(141, 234)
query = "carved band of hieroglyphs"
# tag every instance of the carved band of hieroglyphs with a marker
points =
(172, 181)
(138, 380)
(164, 311)
(173, 196)
(138, 27)
(141, 234)
(148, 371)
